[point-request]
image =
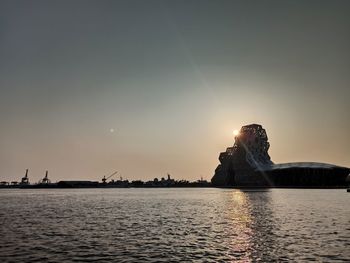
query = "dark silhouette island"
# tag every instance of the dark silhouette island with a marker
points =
(248, 164)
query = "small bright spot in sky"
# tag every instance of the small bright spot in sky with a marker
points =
(235, 132)
(111, 130)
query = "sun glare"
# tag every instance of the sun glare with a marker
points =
(235, 132)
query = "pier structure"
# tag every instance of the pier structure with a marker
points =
(248, 164)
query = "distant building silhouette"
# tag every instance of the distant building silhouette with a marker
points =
(248, 164)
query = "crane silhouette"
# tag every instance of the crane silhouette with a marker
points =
(104, 179)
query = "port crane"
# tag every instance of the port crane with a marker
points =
(25, 179)
(46, 180)
(104, 179)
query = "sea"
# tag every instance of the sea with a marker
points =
(174, 225)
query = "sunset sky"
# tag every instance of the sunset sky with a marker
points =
(155, 87)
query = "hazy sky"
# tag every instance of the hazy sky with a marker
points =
(173, 79)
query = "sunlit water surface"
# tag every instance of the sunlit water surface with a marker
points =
(174, 225)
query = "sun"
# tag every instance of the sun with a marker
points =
(235, 132)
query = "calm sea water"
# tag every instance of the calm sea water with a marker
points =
(174, 225)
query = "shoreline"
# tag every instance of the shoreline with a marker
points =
(165, 187)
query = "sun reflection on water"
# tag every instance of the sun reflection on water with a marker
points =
(240, 226)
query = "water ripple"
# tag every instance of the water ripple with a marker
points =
(174, 225)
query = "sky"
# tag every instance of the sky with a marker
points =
(155, 87)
